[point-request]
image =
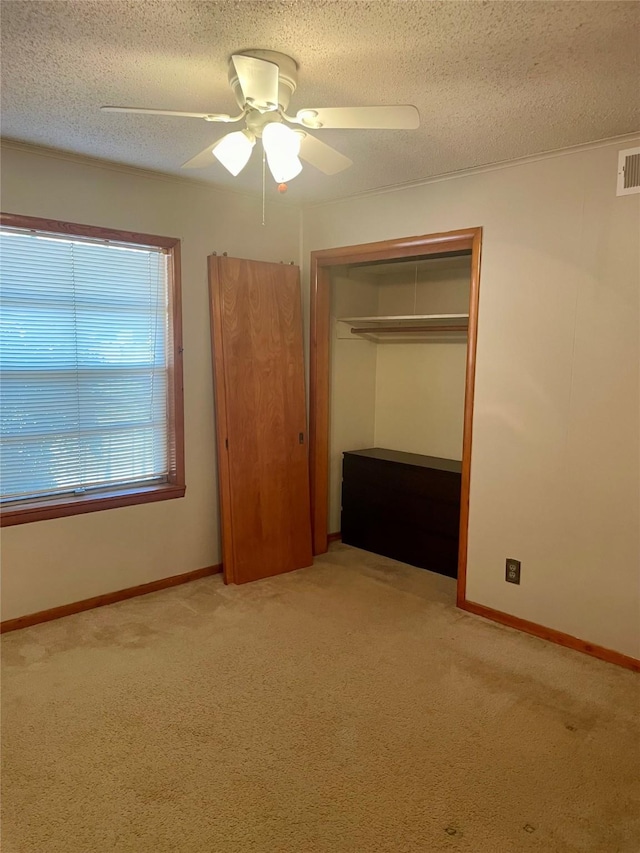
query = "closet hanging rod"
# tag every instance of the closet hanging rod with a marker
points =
(407, 329)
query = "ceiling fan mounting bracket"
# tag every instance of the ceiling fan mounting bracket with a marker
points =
(257, 121)
(287, 78)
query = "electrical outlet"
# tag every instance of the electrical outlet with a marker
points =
(512, 573)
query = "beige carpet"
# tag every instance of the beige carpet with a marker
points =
(345, 707)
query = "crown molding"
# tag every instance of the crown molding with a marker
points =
(123, 168)
(112, 165)
(487, 167)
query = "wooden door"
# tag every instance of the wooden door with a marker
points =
(263, 468)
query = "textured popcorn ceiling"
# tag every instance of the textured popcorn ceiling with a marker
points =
(492, 80)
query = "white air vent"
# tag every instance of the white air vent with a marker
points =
(628, 171)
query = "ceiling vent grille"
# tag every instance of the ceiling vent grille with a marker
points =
(628, 171)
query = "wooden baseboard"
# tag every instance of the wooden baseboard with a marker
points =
(107, 598)
(551, 635)
(334, 537)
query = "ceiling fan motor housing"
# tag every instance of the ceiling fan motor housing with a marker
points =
(287, 75)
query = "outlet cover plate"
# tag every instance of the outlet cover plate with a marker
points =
(512, 571)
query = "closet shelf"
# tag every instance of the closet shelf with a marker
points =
(410, 324)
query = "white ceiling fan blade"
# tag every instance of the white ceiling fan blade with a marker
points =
(258, 80)
(204, 158)
(321, 155)
(400, 117)
(207, 116)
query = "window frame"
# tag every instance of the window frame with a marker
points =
(62, 506)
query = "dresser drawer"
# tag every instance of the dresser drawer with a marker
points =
(405, 543)
(403, 506)
(393, 505)
(409, 479)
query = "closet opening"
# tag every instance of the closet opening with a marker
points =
(392, 368)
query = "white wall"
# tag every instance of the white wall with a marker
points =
(555, 466)
(556, 429)
(353, 383)
(49, 563)
(420, 397)
(437, 286)
(420, 385)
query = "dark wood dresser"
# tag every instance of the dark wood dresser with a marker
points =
(403, 505)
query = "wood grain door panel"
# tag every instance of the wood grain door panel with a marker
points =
(261, 422)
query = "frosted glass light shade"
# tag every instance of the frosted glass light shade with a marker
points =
(282, 146)
(234, 150)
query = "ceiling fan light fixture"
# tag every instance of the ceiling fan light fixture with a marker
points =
(262, 82)
(282, 147)
(284, 169)
(234, 150)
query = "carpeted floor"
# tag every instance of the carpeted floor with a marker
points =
(345, 708)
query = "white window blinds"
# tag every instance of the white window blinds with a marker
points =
(83, 360)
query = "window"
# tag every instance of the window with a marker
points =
(91, 369)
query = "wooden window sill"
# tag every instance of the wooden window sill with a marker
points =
(62, 507)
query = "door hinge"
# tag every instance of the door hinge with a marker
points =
(301, 438)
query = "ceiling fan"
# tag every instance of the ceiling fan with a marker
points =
(263, 82)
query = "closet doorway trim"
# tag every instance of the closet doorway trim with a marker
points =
(468, 239)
